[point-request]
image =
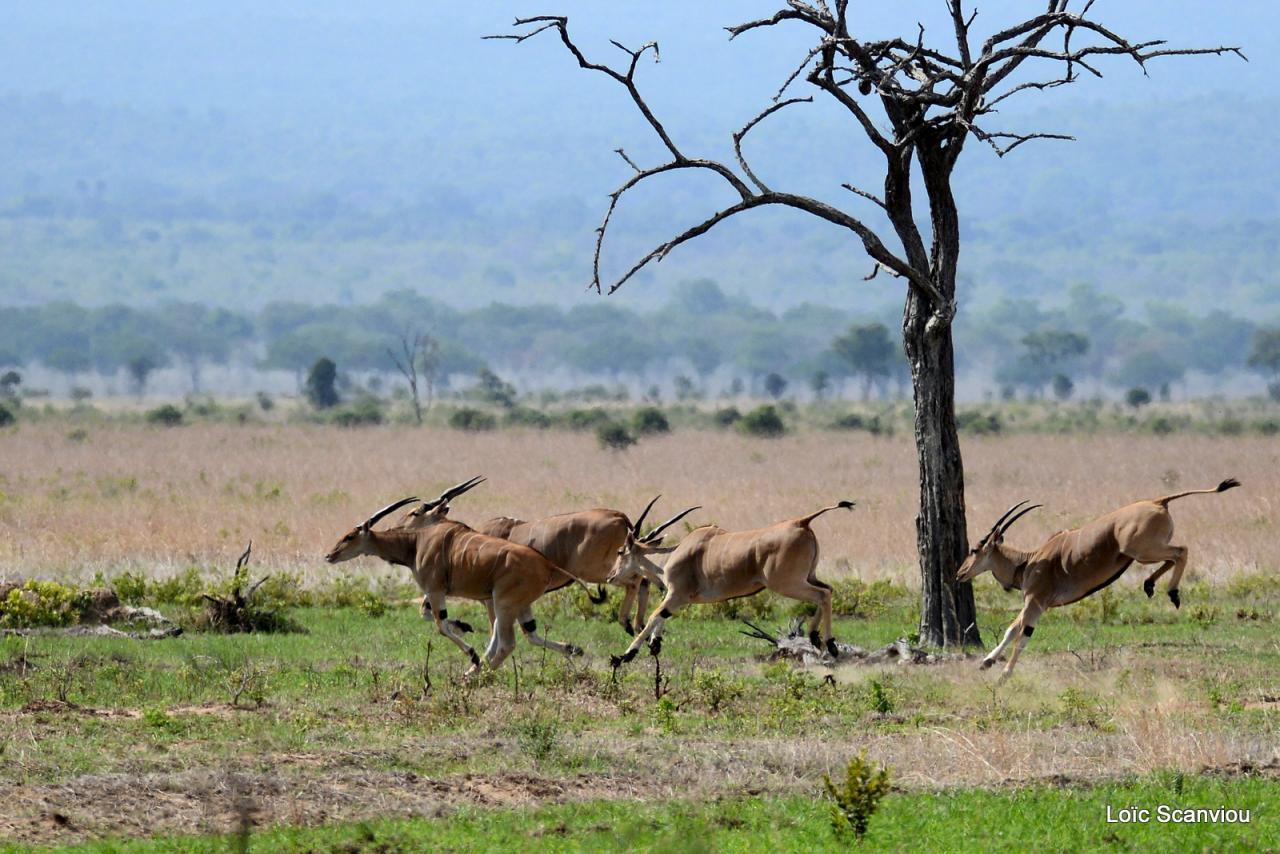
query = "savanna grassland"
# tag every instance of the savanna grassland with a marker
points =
(355, 731)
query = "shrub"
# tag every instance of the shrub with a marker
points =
(166, 416)
(321, 386)
(538, 737)
(852, 597)
(364, 412)
(852, 421)
(727, 417)
(1137, 397)
(130, 587)
(41, 603)
(524, 416)
(184, 588)
(978, 423)
(473, 420)
(265, 402)
(614, 436)
(6, 416)
(854, 803)
(585, 419)
(763, 421)
(649, 420)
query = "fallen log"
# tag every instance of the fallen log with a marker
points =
(794, 646)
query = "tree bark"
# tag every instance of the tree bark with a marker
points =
(947, 614)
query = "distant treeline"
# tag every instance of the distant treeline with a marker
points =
(700, 338)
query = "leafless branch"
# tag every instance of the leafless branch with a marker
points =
(1018, 138)
(930, 97)
(870, 196)
(623, 154)
(761, 116)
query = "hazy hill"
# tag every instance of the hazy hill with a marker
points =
(238, 153)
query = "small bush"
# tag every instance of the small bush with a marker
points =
(6, 416)
(130, 587)
(1137, 397)
(265, 402)
(763, 421)
(762, 606)
(715, 690)
(727, 417)
(852, 421)
(472, 420)
(978, 423)
(585, 419)
(538, 737)
(854, 803)
(524, 416)
(184, 588)
(366, 412)
(852, 597)
(165, 416)
(41, 603)
(614, 436)
(649, 420)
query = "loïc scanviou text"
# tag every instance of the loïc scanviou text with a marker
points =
(1165, 814)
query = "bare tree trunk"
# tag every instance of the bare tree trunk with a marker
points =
(947, 615)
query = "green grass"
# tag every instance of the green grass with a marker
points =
(360, 698)
(1035, 818)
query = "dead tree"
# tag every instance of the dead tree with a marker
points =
(917, 105)
(421, 360)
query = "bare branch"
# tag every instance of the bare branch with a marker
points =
(871, 196)
(1018, 138)
(876, 269)
(870, 241)
(621, 153)
(561, 23)
(737, 137)
(777, 18)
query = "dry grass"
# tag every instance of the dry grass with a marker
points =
(162, 499)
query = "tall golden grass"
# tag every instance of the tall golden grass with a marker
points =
(159, 499)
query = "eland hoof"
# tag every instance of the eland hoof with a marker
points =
(1149, 588)
(986, 663)
(655, 646)
(1175, 598)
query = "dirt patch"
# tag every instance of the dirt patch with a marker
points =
(337, 786)
(208, 801)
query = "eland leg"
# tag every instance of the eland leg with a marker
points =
(529, 626)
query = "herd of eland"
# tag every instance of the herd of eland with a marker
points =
(508, 564)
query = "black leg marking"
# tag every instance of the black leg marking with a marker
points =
(529, 627)
(1175, 598)
(1028, 630)
(655, 646)
(462, 626)
(815, 639)
(832, 649)
(475, 658)
(664, 614)
(986, 662)
(1149, 587)
(626, 625)
(572, 650)
(444, 613)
